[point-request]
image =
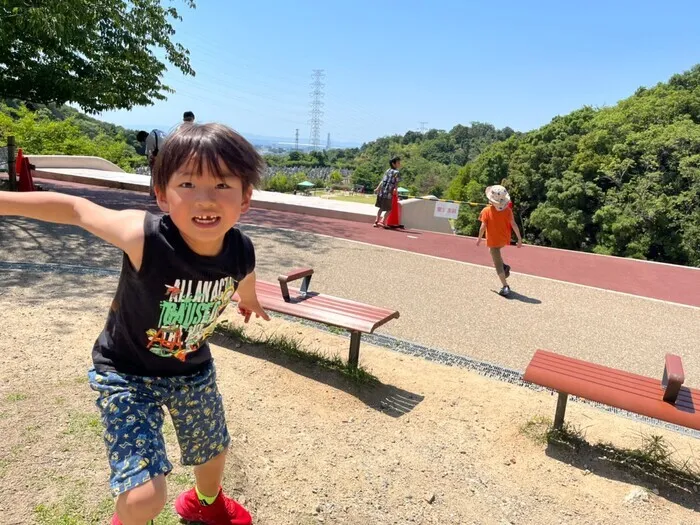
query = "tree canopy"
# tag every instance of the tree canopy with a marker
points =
(621, 180)
(99, 54)
(62, 130)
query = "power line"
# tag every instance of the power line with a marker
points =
(316, 107)
(423, 125)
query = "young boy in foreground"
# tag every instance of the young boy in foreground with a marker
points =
(179, 272)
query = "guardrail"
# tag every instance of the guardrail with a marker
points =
(473, 204)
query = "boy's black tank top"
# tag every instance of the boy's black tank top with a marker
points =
(163, 313)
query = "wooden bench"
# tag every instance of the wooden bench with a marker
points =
(357, 318)
(667, 399)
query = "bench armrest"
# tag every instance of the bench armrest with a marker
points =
(298, 273)
(673, 377)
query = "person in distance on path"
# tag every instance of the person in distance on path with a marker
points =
(497, 221)
(385, 190)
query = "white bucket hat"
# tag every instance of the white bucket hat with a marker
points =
(498, 196)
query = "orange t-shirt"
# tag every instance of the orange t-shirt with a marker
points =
(497, 226)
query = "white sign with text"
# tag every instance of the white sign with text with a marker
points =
(446, 210)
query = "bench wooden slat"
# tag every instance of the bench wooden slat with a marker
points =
(311, 304)
(334, 303)
(603, 375)
(613, 387)
(311, 314)
(327, 309)
(652, 393)
(542, 356)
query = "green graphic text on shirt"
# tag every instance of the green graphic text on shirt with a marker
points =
(188, 315)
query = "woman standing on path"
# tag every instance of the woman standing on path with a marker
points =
(385, 190)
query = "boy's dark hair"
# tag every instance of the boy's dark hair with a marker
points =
(188, 116)
(208, 145)
(141, 136)
(394, 160)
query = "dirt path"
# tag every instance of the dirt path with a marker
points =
(308, 446)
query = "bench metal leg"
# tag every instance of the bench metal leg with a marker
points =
(354, 356)
(561, 410)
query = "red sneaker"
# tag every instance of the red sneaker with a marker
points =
(224, 510)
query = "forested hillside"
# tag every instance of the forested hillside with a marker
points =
(622, 180)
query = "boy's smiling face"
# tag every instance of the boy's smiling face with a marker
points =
(204, 206)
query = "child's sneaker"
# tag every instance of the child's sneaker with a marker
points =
(505, 291)
(506, 270)
(224, 510)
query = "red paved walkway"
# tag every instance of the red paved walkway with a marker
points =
(659, 281)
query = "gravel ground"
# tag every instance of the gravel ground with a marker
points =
(430, 444)
(455, 454)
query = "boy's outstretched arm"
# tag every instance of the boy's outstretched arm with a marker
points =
(248, 303)
(123, 229)
(482, 230)
(514, 225)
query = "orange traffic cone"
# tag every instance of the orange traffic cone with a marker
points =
(24, 172)
(394, 218)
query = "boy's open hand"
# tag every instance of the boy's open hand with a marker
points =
(250, 307)
(478, 242)
(520, 243)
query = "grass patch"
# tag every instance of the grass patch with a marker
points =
(364, 199)
(3, 467)
(182, 479)
(73, 510)
(16, 396)
(335, 330)
(537, 429)
(293, 348)
(80, 424)
(654, 458)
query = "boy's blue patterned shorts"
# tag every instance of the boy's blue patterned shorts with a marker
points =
(132, 414)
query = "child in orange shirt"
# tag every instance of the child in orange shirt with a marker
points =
(496, 222)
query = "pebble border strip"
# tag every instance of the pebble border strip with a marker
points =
(385, 341)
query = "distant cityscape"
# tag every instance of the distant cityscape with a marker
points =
(266, 144)
(272, 144)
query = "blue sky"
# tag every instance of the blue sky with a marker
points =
(390, 64)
